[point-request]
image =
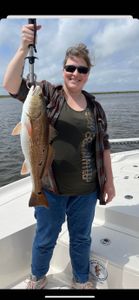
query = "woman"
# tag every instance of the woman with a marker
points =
(81, 167)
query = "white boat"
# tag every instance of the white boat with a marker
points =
(114, 256)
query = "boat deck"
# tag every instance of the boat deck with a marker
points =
(115, 234)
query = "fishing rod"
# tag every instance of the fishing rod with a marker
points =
(31, 77)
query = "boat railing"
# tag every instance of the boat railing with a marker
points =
(125, 141)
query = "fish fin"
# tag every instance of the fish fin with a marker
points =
(49, 160)
(24, 169)
(52, 181)
(50, 155)
(17, 129)
(38, 200)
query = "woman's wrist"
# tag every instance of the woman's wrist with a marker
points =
(23, 50)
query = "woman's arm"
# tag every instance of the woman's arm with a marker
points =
(13, 75)
(109, 189)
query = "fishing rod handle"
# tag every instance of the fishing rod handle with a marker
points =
(33, 21)
(31, 77)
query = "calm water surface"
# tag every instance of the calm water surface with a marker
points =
(122, 111)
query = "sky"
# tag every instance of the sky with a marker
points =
(113, 43)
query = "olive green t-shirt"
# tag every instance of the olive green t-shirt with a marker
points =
(74, 164)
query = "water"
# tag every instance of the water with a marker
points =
(122, 112)
(3, 91)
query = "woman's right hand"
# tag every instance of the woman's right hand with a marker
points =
(27, 35)
(14, 72)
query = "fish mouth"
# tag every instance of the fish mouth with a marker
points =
(36, 90)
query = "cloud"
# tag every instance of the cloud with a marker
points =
(56, 39)
(116, 36)
(114, 42)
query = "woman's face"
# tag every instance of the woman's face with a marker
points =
(73, 79)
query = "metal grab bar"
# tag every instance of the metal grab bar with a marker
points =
(123, 141)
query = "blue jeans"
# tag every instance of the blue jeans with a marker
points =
(80, 212)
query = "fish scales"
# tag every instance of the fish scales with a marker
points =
(34, 135)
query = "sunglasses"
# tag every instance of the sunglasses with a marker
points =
(80, 69)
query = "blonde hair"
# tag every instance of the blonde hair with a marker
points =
(79, 50)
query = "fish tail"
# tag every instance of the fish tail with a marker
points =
(38, 200)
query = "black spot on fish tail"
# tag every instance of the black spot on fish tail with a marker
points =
(38, 199)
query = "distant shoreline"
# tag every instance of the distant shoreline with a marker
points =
(111, 92)
(116, 92)
(4, 96)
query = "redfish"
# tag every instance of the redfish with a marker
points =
(34, 136)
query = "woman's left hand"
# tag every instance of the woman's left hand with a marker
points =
(109, 191)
